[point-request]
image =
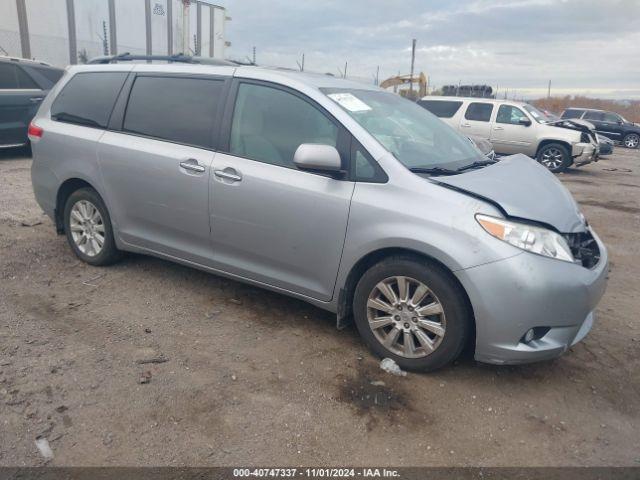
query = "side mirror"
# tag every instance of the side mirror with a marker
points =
(524, 121)
(318, 158)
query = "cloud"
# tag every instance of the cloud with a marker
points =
(577, 44)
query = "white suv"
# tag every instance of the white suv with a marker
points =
(517, 127)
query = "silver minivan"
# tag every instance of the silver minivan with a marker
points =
(341, 194)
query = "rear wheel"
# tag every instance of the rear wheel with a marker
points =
(555, 157)
(631, 140)
(88, 228)
(413, 312)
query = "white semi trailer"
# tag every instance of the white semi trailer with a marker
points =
(62, 32)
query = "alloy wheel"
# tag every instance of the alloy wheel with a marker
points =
(406, 317)
(631, 141)
(552, 157)
(87, 228)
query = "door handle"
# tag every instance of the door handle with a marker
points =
(465, 125)
(498, 128)
(228, 174)
(36, 99)
(192, 165)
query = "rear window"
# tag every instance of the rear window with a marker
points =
(181, 110)
(572, 113)
(88, 99)
(441, 108)
(480, 112)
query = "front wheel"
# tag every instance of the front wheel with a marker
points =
(413, 312)
(555, 157)
(631, 140)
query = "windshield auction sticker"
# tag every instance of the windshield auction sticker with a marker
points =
(350, 102)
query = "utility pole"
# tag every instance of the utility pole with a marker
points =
(345, 70)
(105, 42)
(301, 63)
(413, 61)
(185, 27)
(378, 75)
(253, 58)
(549, 90)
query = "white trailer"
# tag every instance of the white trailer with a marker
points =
(62, 32)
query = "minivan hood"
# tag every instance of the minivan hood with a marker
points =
(522, 188)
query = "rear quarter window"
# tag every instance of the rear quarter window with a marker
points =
(88, 98)
(441, 108)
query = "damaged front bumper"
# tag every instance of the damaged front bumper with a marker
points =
(584, 153)
(529, 291)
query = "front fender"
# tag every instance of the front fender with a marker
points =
(432, 221)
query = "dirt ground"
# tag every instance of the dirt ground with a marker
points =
(253, 377)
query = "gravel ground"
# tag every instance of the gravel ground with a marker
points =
(244, 376)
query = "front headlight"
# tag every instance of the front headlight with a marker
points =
(527, 237)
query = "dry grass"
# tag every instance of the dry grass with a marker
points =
(628, 109)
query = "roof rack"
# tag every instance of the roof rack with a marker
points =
(18, 59)
(178, 58)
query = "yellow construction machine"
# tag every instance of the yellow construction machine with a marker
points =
(413, 93)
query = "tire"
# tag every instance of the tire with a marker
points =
(555, 157)
(455, 318)
(631, 140)
(81, 222)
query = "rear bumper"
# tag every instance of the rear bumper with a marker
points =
(584, 153)
(511, 296)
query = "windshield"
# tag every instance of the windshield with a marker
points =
(414, 136)
(538, 116)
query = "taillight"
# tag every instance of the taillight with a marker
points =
(35, 132)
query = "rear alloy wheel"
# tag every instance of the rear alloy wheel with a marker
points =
(413, 312)
(631, 140)
(555, 157)
(88, 228)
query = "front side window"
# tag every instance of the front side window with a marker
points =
(88, 99)
(12, 77)
(269, 125)
(176, 109)
(510, 114)
(611, 118)
(572, 113)
(441, 108)
(417, 138)
(479, 112)
(51, 75)
(538, 115)
(598, 116)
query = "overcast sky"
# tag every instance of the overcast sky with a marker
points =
(583, 46)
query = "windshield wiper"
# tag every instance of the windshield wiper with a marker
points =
(69, 117)
(480, 163)
(434, 170)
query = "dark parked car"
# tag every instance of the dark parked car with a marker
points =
(23, 85)
(610, 124)
(606, 145)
